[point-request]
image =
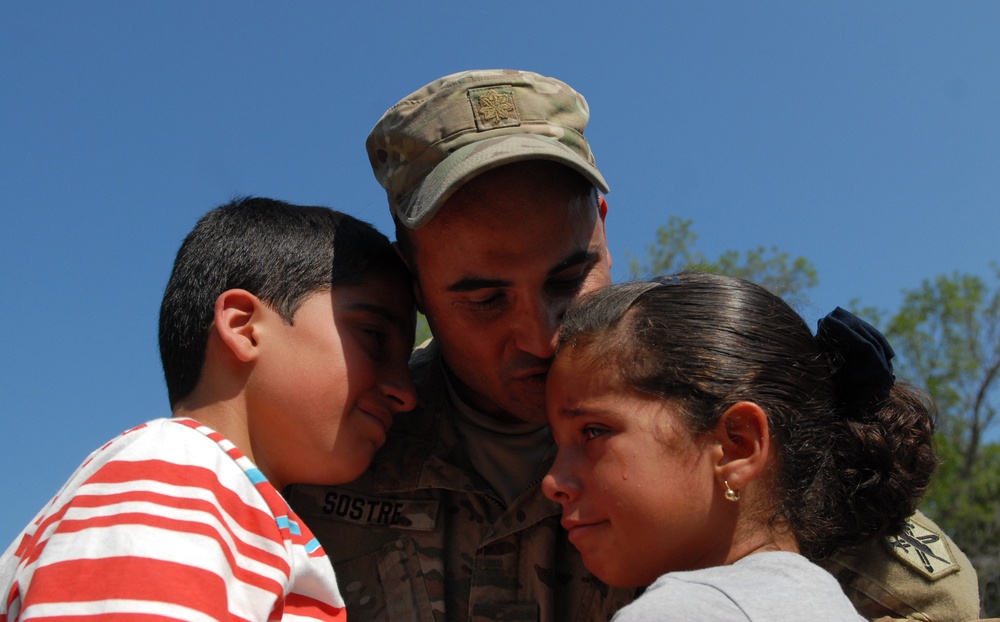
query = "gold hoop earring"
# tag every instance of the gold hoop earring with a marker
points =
(731, 495)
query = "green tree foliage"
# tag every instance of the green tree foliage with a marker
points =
(947, 337)
(423, 330)
(674, 250)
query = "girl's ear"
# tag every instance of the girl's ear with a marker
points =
(237, 313)
(745, 440)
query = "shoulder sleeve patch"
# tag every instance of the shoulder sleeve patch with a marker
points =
(924, 550)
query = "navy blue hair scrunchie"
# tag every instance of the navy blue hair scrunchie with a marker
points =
(865, 370)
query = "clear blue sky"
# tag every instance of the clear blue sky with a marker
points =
(864, 136)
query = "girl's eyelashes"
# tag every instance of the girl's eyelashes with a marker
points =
(590, 432)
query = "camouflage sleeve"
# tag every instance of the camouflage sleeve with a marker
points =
(918, 575)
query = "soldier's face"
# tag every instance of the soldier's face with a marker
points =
(637, 489)
(496, 269)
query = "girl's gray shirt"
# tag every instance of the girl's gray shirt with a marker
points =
(775, 586)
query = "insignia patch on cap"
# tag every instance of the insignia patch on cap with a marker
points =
(493, 107)
(923, 550)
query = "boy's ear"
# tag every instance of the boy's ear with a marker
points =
(745, 439)
(236, 314)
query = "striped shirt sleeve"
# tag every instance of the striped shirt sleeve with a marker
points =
(169, 521)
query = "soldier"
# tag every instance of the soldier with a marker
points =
(499, 213)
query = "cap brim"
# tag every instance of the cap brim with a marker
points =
(476, 158)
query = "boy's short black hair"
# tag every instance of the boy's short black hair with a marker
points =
(278, 252)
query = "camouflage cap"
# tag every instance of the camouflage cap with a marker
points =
(441, 136)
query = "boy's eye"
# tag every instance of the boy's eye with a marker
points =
(376, 338)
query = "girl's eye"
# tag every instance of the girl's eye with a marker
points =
(591, 432)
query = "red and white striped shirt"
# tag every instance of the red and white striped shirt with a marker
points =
(168, 521)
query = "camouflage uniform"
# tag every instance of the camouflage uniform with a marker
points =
(919, 575)
(420, 537)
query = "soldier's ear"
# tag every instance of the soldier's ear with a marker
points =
(602, 211)
(418, 294)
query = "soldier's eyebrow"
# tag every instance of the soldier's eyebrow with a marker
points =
(473, 283)
(576, 258)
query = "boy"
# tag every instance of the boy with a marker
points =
(284, 336)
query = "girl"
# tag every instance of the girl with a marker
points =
(711, 446)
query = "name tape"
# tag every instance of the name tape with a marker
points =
(352, 507)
